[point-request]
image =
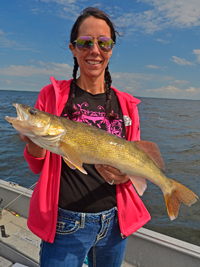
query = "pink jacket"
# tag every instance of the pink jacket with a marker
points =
(44, 201)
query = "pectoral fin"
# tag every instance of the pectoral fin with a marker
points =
(68, 163)
(139, 183)
(72, 158)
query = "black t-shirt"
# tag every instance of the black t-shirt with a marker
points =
(90, 193)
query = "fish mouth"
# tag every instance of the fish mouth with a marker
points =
(21, 115)
(26, 123)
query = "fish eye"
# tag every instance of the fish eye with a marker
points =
(32, 111)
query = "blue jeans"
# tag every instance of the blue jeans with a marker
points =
(79, 234)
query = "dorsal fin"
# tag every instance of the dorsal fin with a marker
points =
(152, 151)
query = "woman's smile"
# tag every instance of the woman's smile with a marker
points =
(93, 62)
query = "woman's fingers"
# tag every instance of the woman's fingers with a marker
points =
(111, 174)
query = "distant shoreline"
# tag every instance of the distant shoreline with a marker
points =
(30, 91)
(16, 90)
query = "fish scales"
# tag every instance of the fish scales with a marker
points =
(79, 143)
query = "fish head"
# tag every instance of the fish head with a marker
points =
(30, 121)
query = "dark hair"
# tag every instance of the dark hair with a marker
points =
(95, 12)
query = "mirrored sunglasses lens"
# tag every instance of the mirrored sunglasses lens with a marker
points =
(105, 43)
(84, 43)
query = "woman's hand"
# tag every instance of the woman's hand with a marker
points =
(24, 138)
(32, 148)
(112, 175)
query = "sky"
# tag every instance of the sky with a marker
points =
(156, 55)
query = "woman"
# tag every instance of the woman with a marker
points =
(76, 214)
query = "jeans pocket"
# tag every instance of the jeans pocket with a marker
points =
(65, 227)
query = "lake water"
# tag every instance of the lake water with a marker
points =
(174, 125)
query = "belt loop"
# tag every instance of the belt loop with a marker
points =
(82, 220)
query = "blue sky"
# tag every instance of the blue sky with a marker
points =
(158, 54)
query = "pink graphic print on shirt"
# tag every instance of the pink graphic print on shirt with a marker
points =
(97, 118)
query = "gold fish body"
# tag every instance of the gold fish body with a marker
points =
(80, 143)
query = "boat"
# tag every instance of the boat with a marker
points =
(20, 247)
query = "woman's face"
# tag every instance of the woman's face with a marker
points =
(93, 62)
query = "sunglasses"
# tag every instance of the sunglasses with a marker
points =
(84, 43)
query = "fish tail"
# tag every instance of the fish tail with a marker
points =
(179, 193)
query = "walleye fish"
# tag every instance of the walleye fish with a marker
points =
(80, 143)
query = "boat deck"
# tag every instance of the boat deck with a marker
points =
(18, 237)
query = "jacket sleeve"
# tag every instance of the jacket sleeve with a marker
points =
(36, 164)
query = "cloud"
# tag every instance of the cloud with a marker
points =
(2, 33)
(139, 84)
(181, 61)
(60, 2)
(157, 16)
(141, 76)
(35, 10)
(156, 67)
(66, 9)
(162, 14)
(6, 42)
(16, 82)
(197, 53)
(49, 69)
(179, 82)
(193, 89)
(162, 41)
(152, 67)
(135, 83)
(148, 21)
(23, 77)
(179, 14)
(171, 91)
